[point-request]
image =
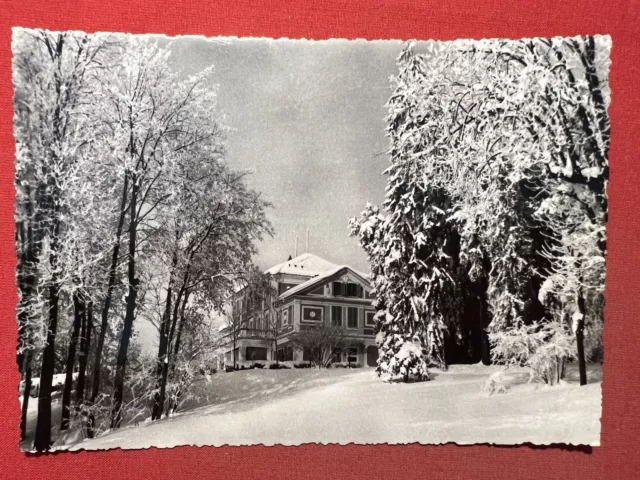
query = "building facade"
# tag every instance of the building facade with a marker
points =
(309, 292)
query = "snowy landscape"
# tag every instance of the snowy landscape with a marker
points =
(249, 241)
(291, 407)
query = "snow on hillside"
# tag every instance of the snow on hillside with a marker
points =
(342, 406)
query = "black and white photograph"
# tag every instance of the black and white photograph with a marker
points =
(255, 241)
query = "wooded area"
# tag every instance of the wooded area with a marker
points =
(490, 244)
(125, 210)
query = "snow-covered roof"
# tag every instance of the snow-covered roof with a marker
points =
(321, 278)
(306, 264)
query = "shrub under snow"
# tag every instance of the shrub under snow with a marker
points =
(409, 362)
(544, 348)
(494, 384)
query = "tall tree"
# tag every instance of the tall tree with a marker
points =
(50, 73)
(154, 116)
(211, 230)
(509, 141)
(85, 347)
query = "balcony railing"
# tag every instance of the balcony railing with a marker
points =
(248, 333)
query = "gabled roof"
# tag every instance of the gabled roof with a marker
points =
(306, 265)
(312, 282)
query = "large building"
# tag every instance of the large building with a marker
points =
(310, 291)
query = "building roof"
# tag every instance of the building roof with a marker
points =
(322, 278)
(306, 265)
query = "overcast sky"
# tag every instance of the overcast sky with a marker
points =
(308, 119)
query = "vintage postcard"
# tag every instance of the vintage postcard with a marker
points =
(235, 241)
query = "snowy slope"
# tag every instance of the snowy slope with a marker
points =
(355, 406)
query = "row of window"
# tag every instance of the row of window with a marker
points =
(340, 289)
(249, 302)
(340, 316)
(260, 323)
(349, 355)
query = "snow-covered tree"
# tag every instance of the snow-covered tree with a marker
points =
(156, 119)
(120, 169)
(208, 233)
(51, 80)
(497, 190)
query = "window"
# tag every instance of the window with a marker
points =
(285, 354)
(352, 355)
(290, 314)
(256, 353)
(251, 324)
(352, 317)
(371, 321)
(341, 289)
(285, 316)
(354, 290)
(283, 287)
(336, 316)
(336, 355)
(311, 313)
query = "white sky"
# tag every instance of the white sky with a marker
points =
(308, 119)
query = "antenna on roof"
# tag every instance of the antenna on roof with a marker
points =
(307, 251)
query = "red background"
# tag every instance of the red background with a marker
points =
(371, 19)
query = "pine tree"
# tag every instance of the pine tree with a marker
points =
(496, 192)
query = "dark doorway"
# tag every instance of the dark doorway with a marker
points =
(372, 356)
(256, 353)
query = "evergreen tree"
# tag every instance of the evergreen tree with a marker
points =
(496, 192)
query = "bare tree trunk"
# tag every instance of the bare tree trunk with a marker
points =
(104, 323)
(165, 363)
(25, 358)
(173, 406)
(275, 344)
(582, 364)
(579, 331)
(27, 281)
(42, 440)
(127, 328)
(162, 351)
(485, 346)
(27, 370)
(78, 312)
(176, 348)
(85, 344)
(235, 340)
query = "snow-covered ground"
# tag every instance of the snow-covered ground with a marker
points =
(342, 406)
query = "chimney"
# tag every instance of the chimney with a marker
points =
(295, 252)
(307, 251)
